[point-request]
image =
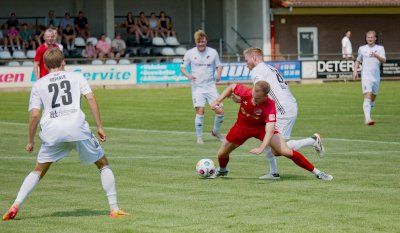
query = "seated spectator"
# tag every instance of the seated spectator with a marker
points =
(13, 37)
(2, 37)
(154, 25)
(13, 21)
(118, 45)
(51, 20)
(166, 25)
(143, 24)
(67, 20)
(90, 51)
(81, 25)
(39, 36)
(69, 37)
(132, 27)
(26, 38)
(104, 48)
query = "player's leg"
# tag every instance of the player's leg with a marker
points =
(199, 102)
(223, 157)
(219, 115)
(46, 156)
(367, 104)
(90, 151)
(280, 147)
(375, 90)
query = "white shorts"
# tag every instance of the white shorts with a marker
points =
(89, 151)
(201, 96)
(285, 126)
(370, 85)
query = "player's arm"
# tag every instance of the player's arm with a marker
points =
(225, 94)
(218, 74)
(380, 58)
(34, 118)
(185, 72)
(36, 69)
(269, 132)
(94, 109)
(355, 71)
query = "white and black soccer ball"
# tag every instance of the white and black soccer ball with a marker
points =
(205, 168)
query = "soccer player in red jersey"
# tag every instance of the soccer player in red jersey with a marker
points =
(49, 42)
(256, 118)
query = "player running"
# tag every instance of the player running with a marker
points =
(257, 118)
(286, 107)
(63, 128)
(371, 56)
(203, 62)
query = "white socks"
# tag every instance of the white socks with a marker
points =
(218, 120)
(316, 171)
(273, 165)
(297, 144)
(27, 186)
(108, 183)
(198, 123)
(367, 105)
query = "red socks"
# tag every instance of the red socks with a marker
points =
(223, 161)
(301, 161)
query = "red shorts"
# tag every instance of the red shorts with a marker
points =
(238, 134)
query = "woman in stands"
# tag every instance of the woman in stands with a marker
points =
(132, 28)
(154, 25)
(165, 25)
(143, 24)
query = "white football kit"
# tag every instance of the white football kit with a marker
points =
(63, 124)
(286, 105)
(202, 66)
(370, 73)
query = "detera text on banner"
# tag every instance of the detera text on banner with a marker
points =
(159, 73)
(239, 72)
(335, 69)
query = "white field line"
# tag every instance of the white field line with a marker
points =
(192, 133)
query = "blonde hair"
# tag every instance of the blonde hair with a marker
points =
(371, 32)
(199, 34)
(253, 51)
(53, 58)
(265, 87)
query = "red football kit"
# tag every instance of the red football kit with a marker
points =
(39, 58)
(251, 118)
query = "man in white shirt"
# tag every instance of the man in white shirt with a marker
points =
(347, 50)
(286, 107)
(63, 128)
(204, 61)
(371, 56)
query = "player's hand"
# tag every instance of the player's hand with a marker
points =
(257, 150)
(217, 77)
(191, 77)
(355, 75)
(215, 105)
(235, 98)
(102, 134)
(29, 146)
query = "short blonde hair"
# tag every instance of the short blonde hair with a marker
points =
(265, 87)
(371, 32)
(53, 58)
(199, 34)
(253, 51)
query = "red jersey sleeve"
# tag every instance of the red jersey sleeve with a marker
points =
(241, 90)
(270, 111)
(39, 54)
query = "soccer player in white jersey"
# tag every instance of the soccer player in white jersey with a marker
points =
(63, 128)
(203, 62)
(286, 107)
(371, 56)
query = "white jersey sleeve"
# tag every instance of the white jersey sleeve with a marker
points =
(34, 101)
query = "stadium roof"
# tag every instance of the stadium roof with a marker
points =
(335, 3)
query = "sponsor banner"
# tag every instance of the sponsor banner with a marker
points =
(335, 69)
(239, 72)
(390, 68)
(160, 73)
(97, 75)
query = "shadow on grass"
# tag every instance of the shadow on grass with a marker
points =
(79, 213)
(283, 178)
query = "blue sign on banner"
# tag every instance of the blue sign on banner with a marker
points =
(239, 71)
(160, 73)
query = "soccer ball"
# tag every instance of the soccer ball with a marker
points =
(205, 168)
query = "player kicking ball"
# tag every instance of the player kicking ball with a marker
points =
(63, 128)
(257, 118)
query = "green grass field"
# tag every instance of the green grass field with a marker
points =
(152, 150)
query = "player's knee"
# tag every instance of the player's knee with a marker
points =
(103, 162)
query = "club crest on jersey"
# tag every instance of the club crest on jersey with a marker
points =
(258, 111)
(271, 117)
(245, 102)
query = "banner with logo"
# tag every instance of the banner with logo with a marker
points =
(160, 73)
(332, 69)
(390, 68)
